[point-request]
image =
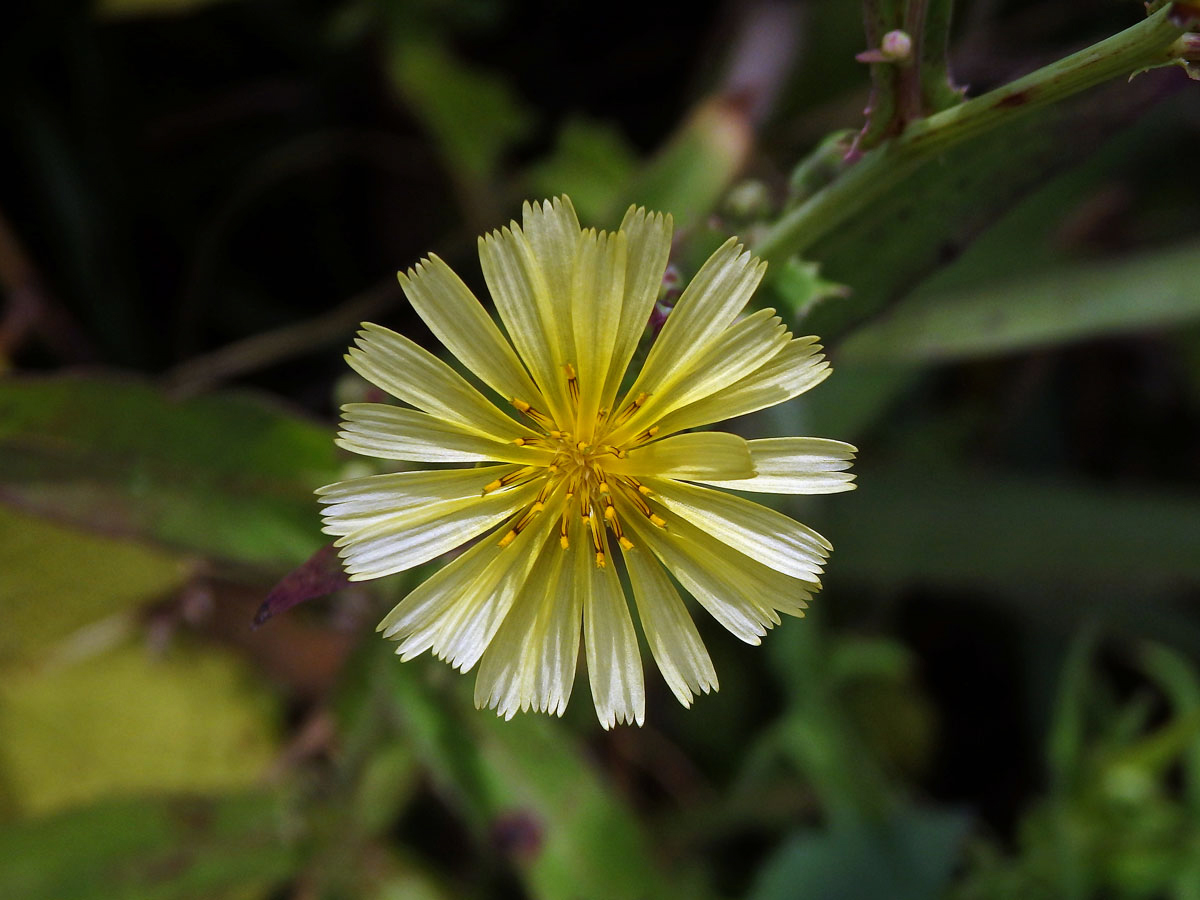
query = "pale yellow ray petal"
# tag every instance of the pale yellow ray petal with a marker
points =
(405, 541)
(523, 300)
(413, 374)
(757, 531)
(467, 632)
(699, 454)
(792, 371)
(417, 619)
(610, 643)
(360, 502)
(670, 631)
(393, 432)
(767, 589)
(709, 579)
(530, 663)
(460, 322)
(797, 465)
(739, 350)
(648, 242)
(707, 306)
(552, 229)
(597, 289)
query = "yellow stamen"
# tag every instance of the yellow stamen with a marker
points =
(633, 407)
(646, 435)
(625, 542)
(572, 382)
(522, 474)
(597, 536)
(537, 416)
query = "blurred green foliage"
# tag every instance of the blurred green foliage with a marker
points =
(996, 695)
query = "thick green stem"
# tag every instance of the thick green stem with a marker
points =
(1147, 44)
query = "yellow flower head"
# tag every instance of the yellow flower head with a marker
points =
(570, 474)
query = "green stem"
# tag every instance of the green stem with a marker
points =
(1147, 44)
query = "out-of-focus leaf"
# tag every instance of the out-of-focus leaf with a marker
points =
(1068, 727)
(573, 837)
(125, 722)
(856, 396)
(472, 115)
(908, 856)
(980, 530)
(689, 174)
(1177, 676)
(54, 580)
(1068, 303)
(170, 848)
(802, 284)
(592, 162)
(229, 475)
(528, 790)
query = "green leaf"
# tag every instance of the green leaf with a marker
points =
(169, 848)
(688, 175)
(1066, 303)
(227, 475)
(525, 786)
(592, 162)
(590, 845)
(909, 856)
(472, 115)
(125, 722)
(55, 580)
(982, 529)
(931, 208)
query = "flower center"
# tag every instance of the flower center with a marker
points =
(577, 467)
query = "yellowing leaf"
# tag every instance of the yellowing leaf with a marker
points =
(55, 579)
(128, 722)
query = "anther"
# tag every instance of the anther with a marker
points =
(646, 435)
(522, 474)
(572, 382)
(658, 520)
(537, 416)
(625, 542)
(633, 407)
